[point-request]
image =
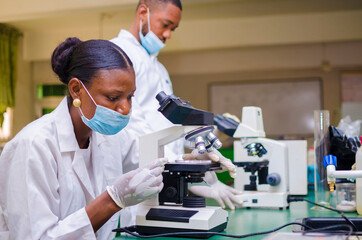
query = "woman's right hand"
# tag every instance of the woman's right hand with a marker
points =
(137, 185)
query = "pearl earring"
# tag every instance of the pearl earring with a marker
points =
(77, 102)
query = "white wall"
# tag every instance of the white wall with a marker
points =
(301, 56)
(206, 25)
(218, 40)
(23, 110)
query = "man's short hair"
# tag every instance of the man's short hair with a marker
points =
(152, 3)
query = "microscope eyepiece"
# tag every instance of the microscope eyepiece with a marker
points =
(161, 96)
(182, 112)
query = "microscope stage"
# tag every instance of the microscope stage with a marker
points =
(192, 166)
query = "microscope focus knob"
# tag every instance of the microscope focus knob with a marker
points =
(273, 179)
(171, 192)
(194, 202)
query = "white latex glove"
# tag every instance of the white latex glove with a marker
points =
(137, 185)
(222, 193)
(214, 156)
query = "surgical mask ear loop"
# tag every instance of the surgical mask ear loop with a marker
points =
(88, 93)
(141, 26)
(148, 21)
(80, 109)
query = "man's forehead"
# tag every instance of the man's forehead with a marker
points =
(165, 7)
(170, 12)
(161, 4)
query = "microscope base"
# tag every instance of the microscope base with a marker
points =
(146, 230)
(167, 219)
(263, 200)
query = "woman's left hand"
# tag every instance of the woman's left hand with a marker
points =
(214, 156)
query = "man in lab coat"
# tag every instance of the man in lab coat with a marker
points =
(154, 22)
(151, 28)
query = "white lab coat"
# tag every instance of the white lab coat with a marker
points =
(45, 186)
(151, 78)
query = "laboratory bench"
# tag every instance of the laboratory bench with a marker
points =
(244, 221)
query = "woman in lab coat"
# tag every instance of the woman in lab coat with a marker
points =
(61, 177)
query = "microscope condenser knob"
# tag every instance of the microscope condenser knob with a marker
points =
(273, 179)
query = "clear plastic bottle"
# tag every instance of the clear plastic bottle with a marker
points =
(321, 188)
(359, 181)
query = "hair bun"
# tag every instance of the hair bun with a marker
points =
(61, 57)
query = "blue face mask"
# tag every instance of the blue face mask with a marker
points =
(105, 120)
(150, 42)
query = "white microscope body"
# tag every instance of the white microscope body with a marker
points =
(262, 164)
(183, 219)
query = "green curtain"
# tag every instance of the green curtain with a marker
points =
(9, 37)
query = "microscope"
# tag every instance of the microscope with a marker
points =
(262, 164)
(173, 210)
(267, 170)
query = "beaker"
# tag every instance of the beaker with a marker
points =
(321, 188)
(346, 196)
